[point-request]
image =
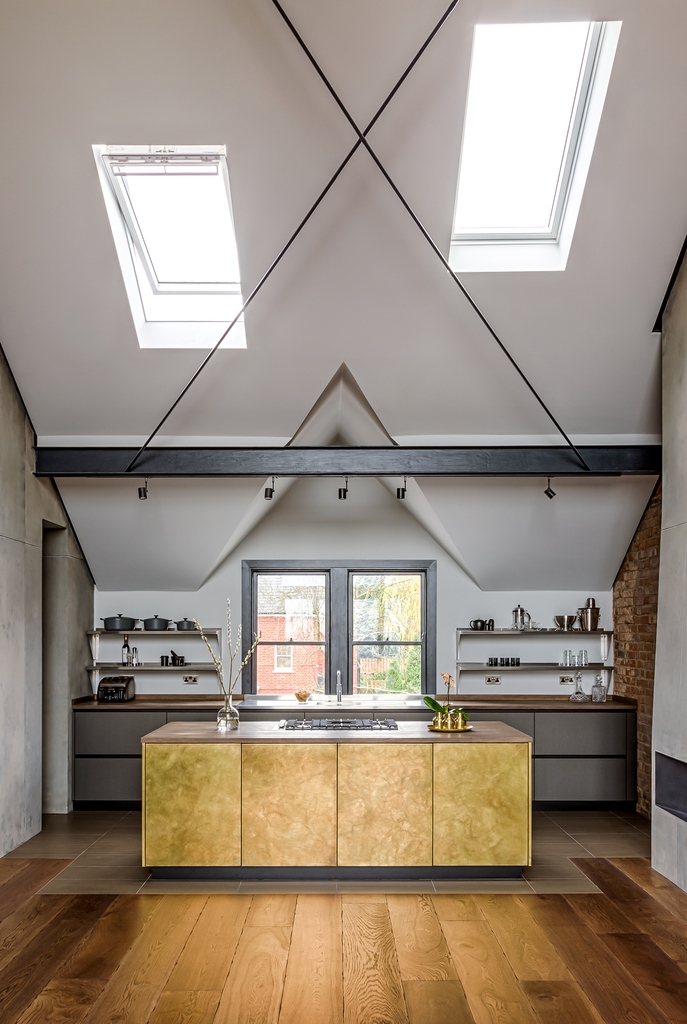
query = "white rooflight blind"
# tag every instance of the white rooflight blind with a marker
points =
(171, 218)
(528, 92)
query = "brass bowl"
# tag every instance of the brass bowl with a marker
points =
(302, 695)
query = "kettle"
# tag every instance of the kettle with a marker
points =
(521, 618)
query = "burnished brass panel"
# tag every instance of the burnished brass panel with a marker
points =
(192, 805)
(482, 803)
(385, 804)
(289, 804)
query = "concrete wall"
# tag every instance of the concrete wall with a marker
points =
(669, 833)
(635, 600)
(26, 504)
(310, 523)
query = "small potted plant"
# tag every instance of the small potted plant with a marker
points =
(446, 717)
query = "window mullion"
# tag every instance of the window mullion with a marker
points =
(339, 629)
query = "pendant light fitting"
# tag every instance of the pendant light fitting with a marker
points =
(401, 491)
(343, 491)
(549, 491)
(269, 491)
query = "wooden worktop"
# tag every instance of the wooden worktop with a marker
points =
(269, 732)
(471, 702)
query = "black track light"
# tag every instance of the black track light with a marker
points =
(143, 491)
(343, 491)
(269, 492)
(549, 492)
(401, 491)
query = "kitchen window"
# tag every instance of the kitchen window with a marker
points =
(370, 624)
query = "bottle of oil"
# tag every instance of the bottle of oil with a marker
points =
(126, 651)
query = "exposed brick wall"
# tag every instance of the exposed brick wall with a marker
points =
(635, 601)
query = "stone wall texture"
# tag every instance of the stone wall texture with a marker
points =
(635, 604)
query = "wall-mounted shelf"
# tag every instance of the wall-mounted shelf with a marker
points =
(109, 641)
(533, 666)
(202, 666)
(562, 633)
(215, 631)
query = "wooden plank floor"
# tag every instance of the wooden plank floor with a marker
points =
(608, 957)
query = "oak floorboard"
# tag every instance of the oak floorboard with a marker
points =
(134, 989)
(8, 868)
(436, 1002)
(27, 921)
(662, 979)
(253, 990)
(206, 958)
(31, 877)
(313, 989)
(602, 978)
(32, 969)
(272, 911)
(185, 1007)
(653, 883)
(611, 880)
(457, 907)
(493, 992)
(601, 914)
(560, 1002)
(529, 952)
(363, 897)
(372, 987)
(82, 978)
(420, 944)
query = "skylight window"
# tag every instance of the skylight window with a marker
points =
(171, 217)
(535, 97)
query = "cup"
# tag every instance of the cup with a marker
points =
(582, 659)
(567, 657)
(164, 660)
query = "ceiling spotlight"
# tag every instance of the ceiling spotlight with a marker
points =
(143, 491)
(269, 492)
(401, 491)
(549, 492)
(343, 491)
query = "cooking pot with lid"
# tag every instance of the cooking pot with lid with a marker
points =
(119, 623)
(156, 623)
(185, 624)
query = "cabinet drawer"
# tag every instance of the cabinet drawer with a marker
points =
(191, 716)
(583, 778)
(113, 732)
(581, 732)
(522, 720)
(107, 778)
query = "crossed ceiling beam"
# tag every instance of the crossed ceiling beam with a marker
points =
(363, 141)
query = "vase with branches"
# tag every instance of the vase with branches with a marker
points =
(228, 715)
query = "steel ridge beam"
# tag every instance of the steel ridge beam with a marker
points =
(396, 460)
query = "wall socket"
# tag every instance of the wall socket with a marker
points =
(191, 680)
(492, 680)
(566, 680)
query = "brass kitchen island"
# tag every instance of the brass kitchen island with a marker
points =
(262, 802)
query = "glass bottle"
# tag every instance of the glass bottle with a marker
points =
(579, 694)
(126, 651)
(599, 690)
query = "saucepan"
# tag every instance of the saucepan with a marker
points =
(185, 624)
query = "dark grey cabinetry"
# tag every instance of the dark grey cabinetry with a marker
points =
(581, 756)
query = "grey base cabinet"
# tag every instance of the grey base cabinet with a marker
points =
(580, 757)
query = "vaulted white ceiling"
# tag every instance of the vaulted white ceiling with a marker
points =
(359, 285)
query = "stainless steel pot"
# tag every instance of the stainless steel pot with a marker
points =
(156, 623)
(185, 624)
(119, 623)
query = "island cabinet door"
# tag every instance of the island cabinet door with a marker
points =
(385, 804)
(192, 805)
(289, 805)
(482, 804)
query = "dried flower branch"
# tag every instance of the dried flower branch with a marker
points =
(233, 652)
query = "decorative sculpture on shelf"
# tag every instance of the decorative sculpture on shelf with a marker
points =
(228, 715)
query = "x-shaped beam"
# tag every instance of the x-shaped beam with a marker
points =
(363, 141)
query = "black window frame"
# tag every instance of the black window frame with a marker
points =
(338, 643)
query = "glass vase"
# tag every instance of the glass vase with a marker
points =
(227, 716)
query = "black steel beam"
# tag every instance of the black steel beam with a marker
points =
(393, 460)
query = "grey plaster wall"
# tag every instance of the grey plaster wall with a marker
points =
(26, 505)
(669, 834)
